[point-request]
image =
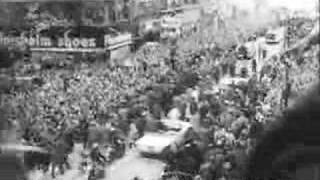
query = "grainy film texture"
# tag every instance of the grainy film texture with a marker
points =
(159, 90)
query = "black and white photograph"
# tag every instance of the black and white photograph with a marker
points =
(159, 90)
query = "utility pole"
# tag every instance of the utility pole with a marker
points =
(173, 52)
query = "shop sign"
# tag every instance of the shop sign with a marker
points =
(38, 41)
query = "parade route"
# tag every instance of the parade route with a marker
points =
(132, 165)
(158, 90)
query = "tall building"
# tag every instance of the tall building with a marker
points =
(82, 12)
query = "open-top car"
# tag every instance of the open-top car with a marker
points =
(234, 81)
(173, 135)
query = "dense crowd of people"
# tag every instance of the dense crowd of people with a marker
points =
(94, 99)
(92, 93)
(228, 118)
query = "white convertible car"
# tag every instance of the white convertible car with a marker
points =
(234, 81)
(170, 138)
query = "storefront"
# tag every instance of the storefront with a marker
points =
(81, 40)
(64, 27)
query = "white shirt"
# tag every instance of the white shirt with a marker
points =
(188, 111)
(133, 131)
(195, 95)
(174, 114)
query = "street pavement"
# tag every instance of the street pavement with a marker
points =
(126, 168)
(74, 173)
(133, 164)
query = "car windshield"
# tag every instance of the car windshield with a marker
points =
(167, 13)
(170, 29)
(172, 127)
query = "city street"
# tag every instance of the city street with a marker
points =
(126, 168)
(131, 165)
(199, 88)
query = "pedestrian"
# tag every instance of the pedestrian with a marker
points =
(287, 93)
(96, 156)
(239, 124)
(133, 135)
(84, 165)
(173, 58)
(141, 125)
(216, 74)
(84, 131)
(254, 66)
(60, 156)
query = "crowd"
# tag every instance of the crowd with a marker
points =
(229, 120)
(93, 93)
(165, 81)
(298, 27)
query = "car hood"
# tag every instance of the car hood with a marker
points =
(156, 139)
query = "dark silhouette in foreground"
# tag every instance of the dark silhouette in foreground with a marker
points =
(290, 143)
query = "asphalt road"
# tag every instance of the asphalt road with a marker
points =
(133, 164)
(126, 168)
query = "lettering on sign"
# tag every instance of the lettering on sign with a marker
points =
(38, 41)
(77, 42)
(67, 42)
